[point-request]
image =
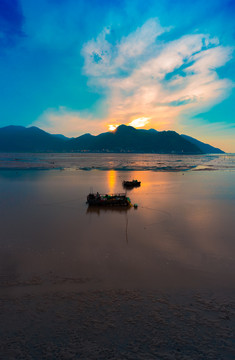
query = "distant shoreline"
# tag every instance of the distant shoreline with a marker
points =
(116, 162)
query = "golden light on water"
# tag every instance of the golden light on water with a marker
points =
(111, 180)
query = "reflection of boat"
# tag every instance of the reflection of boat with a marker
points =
(116, 210)
(108, 200)
(131, 184)
(103, 209)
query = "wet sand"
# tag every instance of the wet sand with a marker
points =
(152, 283)
(117, 324)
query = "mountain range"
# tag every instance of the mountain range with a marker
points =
(123, 139)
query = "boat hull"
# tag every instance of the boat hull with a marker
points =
(131, 184)
(108, 200)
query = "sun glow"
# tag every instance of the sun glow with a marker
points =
(137, 123)
(112, 127)
(140, 122)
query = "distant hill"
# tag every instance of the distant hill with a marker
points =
(205, 148)
(123, 139)
(32, 139)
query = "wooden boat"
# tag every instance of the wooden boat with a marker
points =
(108, 200)
(131, 184)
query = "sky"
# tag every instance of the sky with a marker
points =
(79, 66)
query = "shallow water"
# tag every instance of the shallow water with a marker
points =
(146, 283)
(180, 237)
(119, 162)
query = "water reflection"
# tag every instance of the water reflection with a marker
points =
(111, 174)
(105, 209)
(113, 210)
(182, 231)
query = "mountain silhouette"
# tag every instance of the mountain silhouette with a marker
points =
(123, 139)
(32, 139)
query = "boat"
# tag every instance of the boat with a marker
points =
(108, 200)
(131, 184)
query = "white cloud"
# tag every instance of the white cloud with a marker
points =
(210, 59)
(162, 81)
(137, 43)
(67, 122)
(103, 59)
(98, 56)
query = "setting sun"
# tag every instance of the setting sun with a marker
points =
(112, 127)
(140, 122)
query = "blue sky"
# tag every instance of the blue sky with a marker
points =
(73, 67)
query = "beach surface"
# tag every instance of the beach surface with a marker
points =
(156, 282)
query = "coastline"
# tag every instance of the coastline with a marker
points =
(117, 162)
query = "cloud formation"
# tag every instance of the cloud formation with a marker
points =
(145, 77)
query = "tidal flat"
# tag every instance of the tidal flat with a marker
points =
(156, 282)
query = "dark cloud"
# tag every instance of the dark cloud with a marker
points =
(11, 22)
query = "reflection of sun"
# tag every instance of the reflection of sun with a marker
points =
(111, 180)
